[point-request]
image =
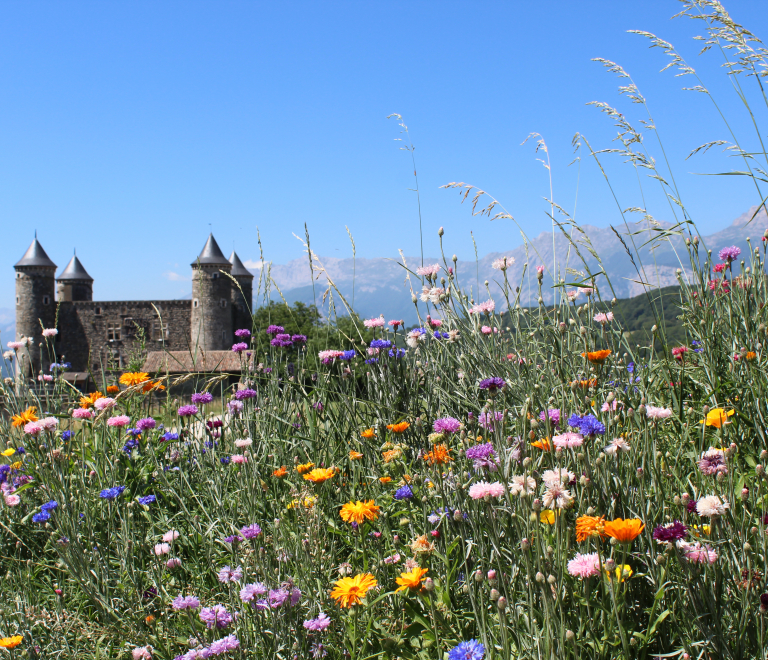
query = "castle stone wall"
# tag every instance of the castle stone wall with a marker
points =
(211, 322)
(35, 308)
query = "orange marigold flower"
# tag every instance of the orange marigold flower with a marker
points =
(368, 433)
(10, 642)
(385, 480)
(588, 526)
(350, 591)
(359, 512)
(402, 427)
(319, 475)
(304, 467)
(113, 389)
(391, 455)
(751, 355)
(597, 357)
(149, 620)
(280, 472)
(134, 378)
(439, 455)
(624, 531)
(149, 386)
(355, 455)
(542, 444)
(411, 579)
(24, 417)
(585, 384)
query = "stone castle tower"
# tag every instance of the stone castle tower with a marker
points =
(95, 335)
(35, 302)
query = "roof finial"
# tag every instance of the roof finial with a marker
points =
(35, 234)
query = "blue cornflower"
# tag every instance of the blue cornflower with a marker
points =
(20, 450)
(436, 334)
(574, 421)
(41, 517)
(168, 436)
(400, 352)
(147, 499)
(66, 435)
(471, 650)
(130, 445)
(631, 367)
(347, 355)
(133, 432)
(372, 360)
(588, 425)
(225, 460)
(403, 493)
(50, 506)
(111, 493)
(381, 343)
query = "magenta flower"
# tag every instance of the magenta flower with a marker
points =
(187, 411)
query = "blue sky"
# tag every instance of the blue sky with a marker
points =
(129, 129)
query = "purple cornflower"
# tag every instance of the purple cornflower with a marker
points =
(251, 531)
(712, 462)
(223, 645)
(277, 597)
(318, 650)
(187, 411)
(202, 397)
(235, 407)
(228, 574)
(484, 456)
(553, 414)
(299, 339)
(282, 340)
(446, 425)
(239, 347)
(403, 493)
(729, 253)
(492, 384)
(251, 591)
(487, 419)
(295, 596)
(320, 623)
(232, 540)
(242, 333)
(215, 616)
(146, 424)
(318, 405)
(691, 507)
(670, 533)
(245, 394)
(185, 603)
(275, 329)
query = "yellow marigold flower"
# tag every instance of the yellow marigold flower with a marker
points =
(319, 475)
(385, 480)
(439, 455)
(392, 454)
(623, 572)
(402, 427)
(8, 452)
(588, 526)
(24, 417)
(17, 465)
(359, 512)
(411, 579)
(542, 444)
(422, 545)
(134, 378)
(113, 389)
(368, 433)
(280, 472)
(717, 417)
(547, 516)
(624, 531)
(698, 531)
(355, 455)
(10, 642)
(304, 467)
(350, 591)
(307, 502)
(597, 357)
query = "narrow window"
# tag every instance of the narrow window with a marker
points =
(18, 300)
(97, 311)
(215, 276)
(223, 335)
(223, 303)
(195, 303)
(46, 300)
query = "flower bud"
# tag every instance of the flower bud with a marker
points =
(478, 576)
(440, 231)
(759, 469)
(540, 577)
(495, 595)
(551, 579)
(491, 574)
(429, 584)
(501, 604)
(570, 636)
(609, 564)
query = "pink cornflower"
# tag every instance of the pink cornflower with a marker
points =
(48, 423)
(603, 318)
(120, 420)
(696, 553)
(568, 440)
(170, 536)
(483, 308)
(557, 477)
(584, 566)
(617, 444)
(395, 324)
(652, 412)
(82, 413)
(719, 268)
(104, 403)
(175, 562)
(16, 345)
(572, 295)
(161, 549)
(609, 406)
(483, 489)
(435, 323)
(12, 500)
(240, 443)
(679, 352)
(142, 653)
(239, 459)
(502, 263)
(557, 496)
(374, 323)
(430, 272)
(32, 428)
(329, 356)
(521, 484)
(45, 378)
(392, 559)
(486, 330)
(50, 332)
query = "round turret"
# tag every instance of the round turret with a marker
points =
(35, 304)
(74, 283)
(211, 300)
(242, 295)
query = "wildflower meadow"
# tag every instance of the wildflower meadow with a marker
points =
(500, 481)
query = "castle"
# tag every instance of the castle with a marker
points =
(95, 335)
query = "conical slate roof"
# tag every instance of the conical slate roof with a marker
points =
(211, 254)
(238, 269)
(35, 256)
(74, 271)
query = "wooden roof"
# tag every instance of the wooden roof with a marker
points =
(182, 362)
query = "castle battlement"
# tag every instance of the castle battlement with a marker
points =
(97, 334)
